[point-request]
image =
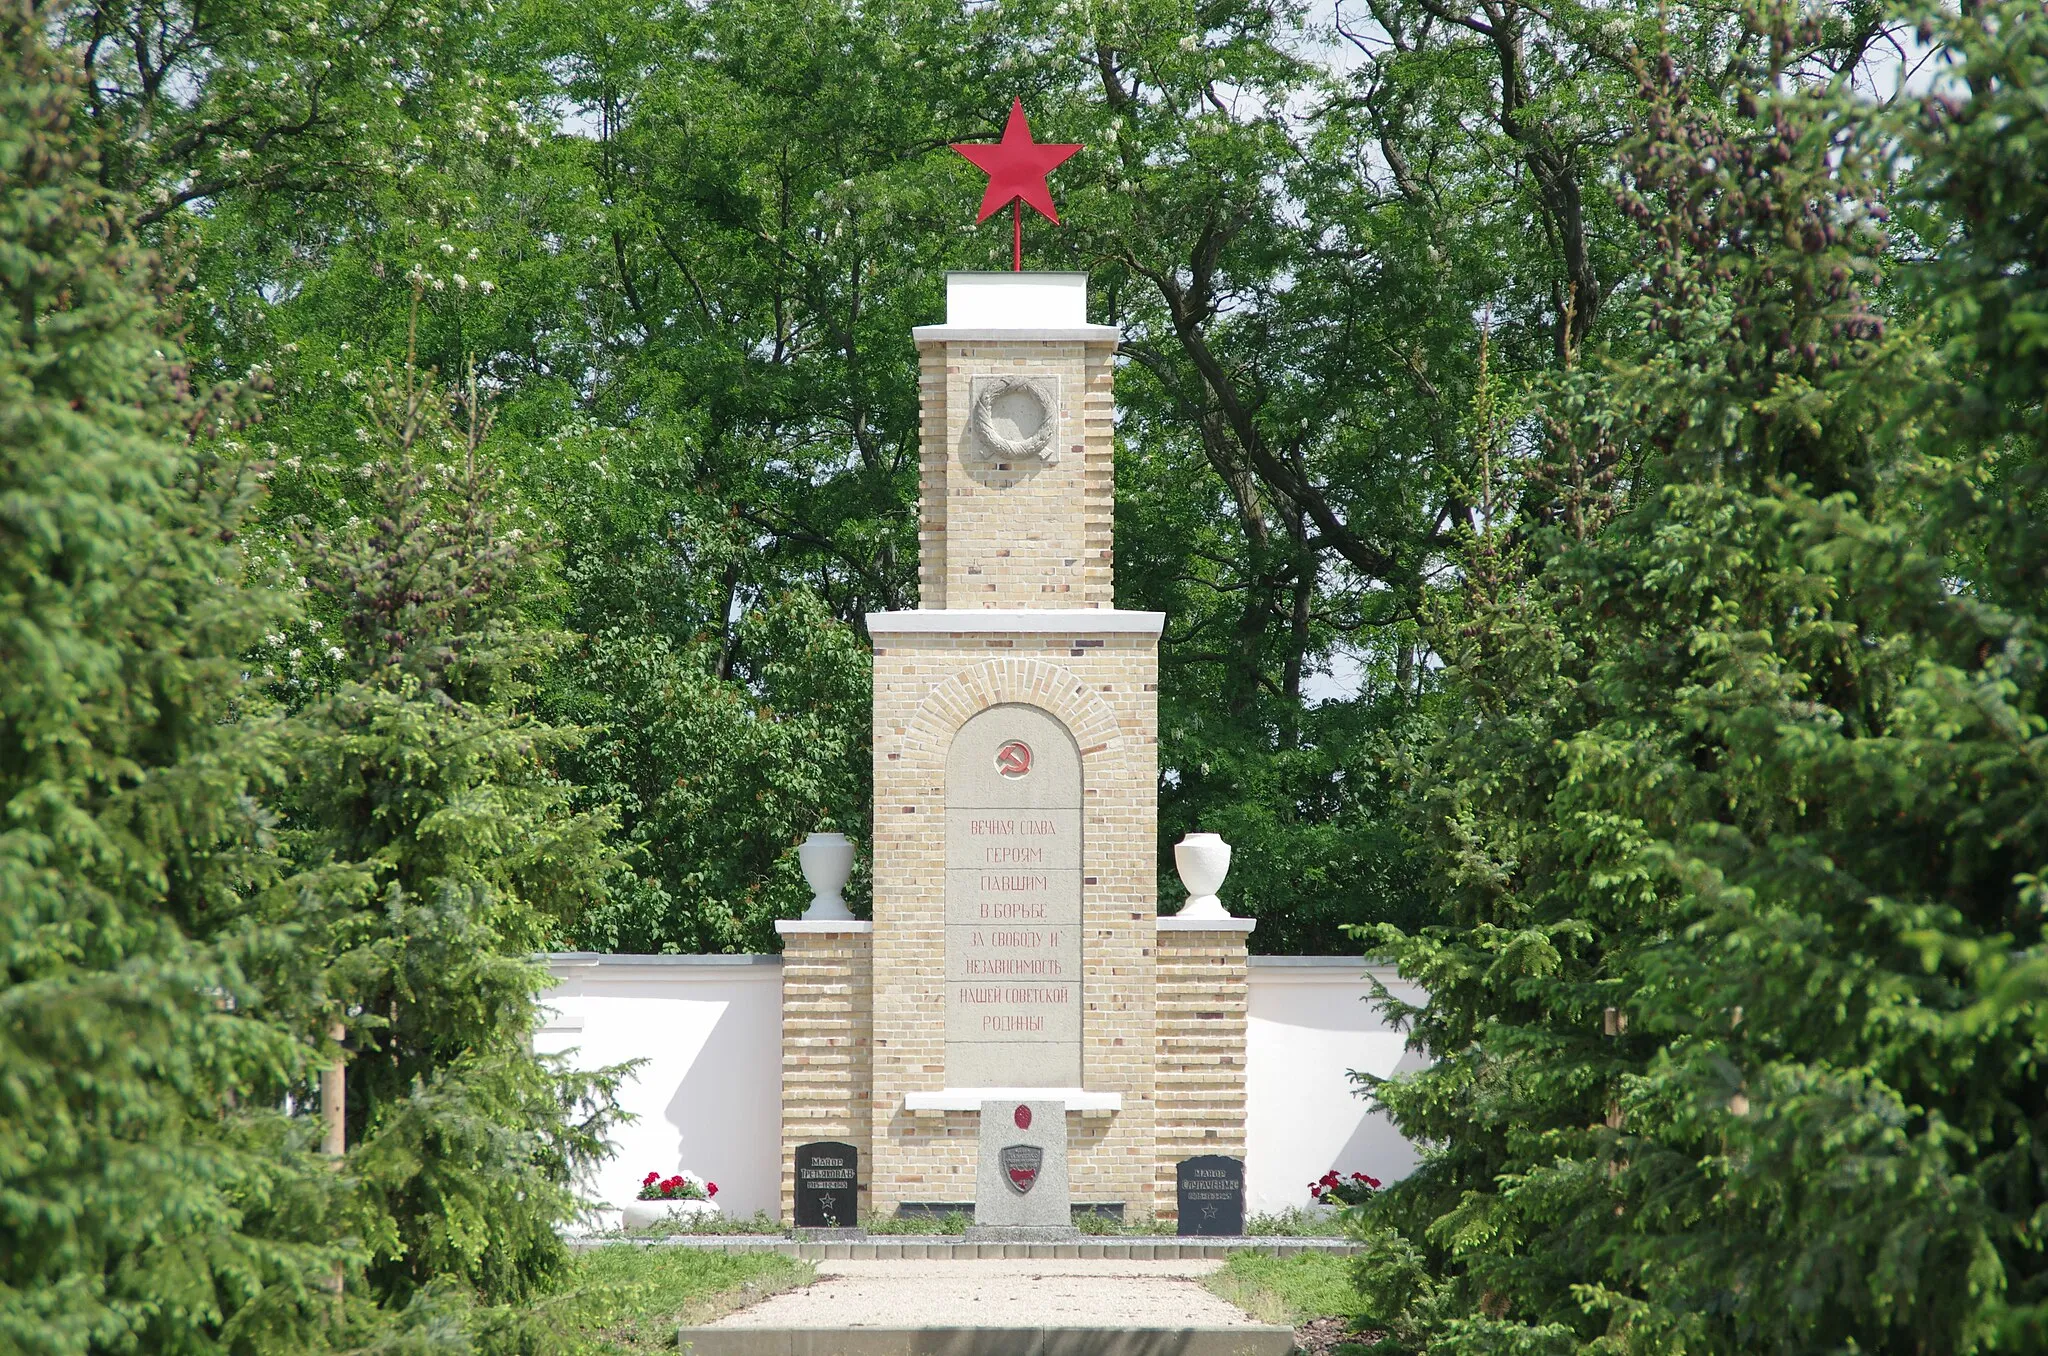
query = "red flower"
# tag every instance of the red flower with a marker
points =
(1336, 1188)
(650, 1179)
(711, 1188)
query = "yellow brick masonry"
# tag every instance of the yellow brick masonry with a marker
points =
(1024, 534)
(827, 1015)
(1104, 688)
(1199, 1087)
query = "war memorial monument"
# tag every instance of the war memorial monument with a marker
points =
(1017, 963)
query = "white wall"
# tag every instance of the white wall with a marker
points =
(708, 1098)
(1311, 1022)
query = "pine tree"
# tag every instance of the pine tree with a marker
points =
(1743, 838)
(439, 852)
(140, 1191)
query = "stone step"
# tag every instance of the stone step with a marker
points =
(882, 1247)
(1248, 1340)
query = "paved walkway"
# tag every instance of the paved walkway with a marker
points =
(1005, 1293)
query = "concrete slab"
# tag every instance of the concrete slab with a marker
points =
(1253, 1340)
(998, 1293)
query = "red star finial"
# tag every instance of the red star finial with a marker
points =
(1016, 168)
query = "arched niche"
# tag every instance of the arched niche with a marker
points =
(1013, 901)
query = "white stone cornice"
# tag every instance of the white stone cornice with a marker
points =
(989, 334)
(981, 621)
(970, 1099)
(1175, 923)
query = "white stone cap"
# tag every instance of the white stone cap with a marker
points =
(1017, 301)
(1175, 923)
(992, 620)
(999, 306)
(789, 926)
(970, 1099)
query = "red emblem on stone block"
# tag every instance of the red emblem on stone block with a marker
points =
(1021, 1163)
(1023, 1118)
(1014, 758)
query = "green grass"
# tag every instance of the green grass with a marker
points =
(634, 1298)
(956, 1222)
(1297, 1222)
(758, 1223)
(952, 1222)
(1138, 1226)
(1289, 1290)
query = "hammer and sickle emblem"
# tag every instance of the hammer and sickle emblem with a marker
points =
(1014, 758)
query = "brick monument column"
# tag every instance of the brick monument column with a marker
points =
(827, 1017)
(1200, 1083)
(1016, 766)
(1016, 951)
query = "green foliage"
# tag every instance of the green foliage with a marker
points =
(952, 1222)
(1296, 1221)
(722, 735)
(144, 1204)
(438, 851)
(1741, 837)
(684, 248)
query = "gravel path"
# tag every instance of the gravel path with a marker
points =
(1010, 1293)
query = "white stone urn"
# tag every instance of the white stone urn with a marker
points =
(827, 860)
(643, 1215)
(1203, 860)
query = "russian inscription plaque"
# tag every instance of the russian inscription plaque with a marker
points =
(827, 1186)
(1013, 902)
(1212, 1196)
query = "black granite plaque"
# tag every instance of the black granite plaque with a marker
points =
(1212, 1196)
(827, 1186)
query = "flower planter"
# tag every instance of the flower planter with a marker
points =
(644, 1215)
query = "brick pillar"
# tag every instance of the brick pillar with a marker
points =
(828, 1004)
(1199, 1082)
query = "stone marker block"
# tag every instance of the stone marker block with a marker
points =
(1211, 1196)
(827, 1186)
(1020, 1190)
